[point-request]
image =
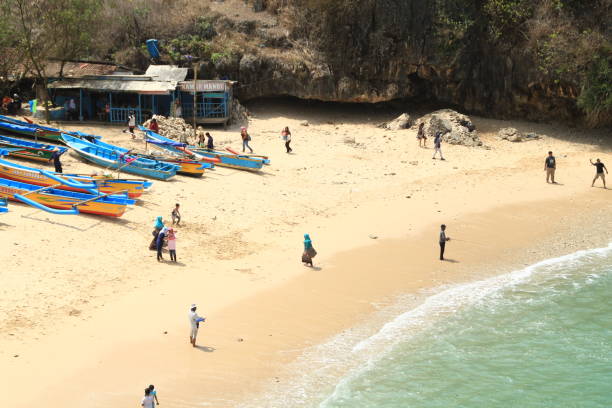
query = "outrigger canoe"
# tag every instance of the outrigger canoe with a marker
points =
(72, 182)
(187, 167)
(57, 201)
(235, 161)
(29, 150)
(123, 162)
(3, 207)
(35, 130)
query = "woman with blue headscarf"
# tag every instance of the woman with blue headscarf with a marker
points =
(158, 226)
(309, 251)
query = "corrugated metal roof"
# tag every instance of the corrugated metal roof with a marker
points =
(108, 85)
(167, 72)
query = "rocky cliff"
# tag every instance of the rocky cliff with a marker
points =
(537, 59)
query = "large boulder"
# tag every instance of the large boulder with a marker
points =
(455, 127)
(510, 134)
(401, 122)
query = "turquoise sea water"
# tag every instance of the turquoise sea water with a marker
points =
(539, 337)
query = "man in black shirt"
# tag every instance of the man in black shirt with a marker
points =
(550, 165)
(56, 160)
(600, 172)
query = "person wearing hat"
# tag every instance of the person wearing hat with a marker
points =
(438, 145)
(246, 138)
(56, 159)
(194, 321)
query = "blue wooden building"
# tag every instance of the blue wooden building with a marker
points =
(160, 91)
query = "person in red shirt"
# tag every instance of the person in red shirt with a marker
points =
(154, 126)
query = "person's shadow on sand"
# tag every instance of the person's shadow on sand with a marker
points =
(206, 349)
(449, 260)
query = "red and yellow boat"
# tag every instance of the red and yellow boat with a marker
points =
(73, 182)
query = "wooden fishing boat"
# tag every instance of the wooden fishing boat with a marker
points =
(72, 182)
(120, 161)
(31, 129)
(3, 205)
(187, 167)
(29, 150)
(57, 201)
(235, 161)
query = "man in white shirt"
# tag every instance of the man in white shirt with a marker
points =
(194, 321)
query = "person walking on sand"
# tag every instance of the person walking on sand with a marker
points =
(56, 159)
(438, 145)
(176, 215)
(153, 394)
(131, 124)
(246, 138)
(194, 321)
(309, 251)
(421, 135)
(210, 145)
(147, 400)
(600, 172)
(286, 135)
(160, 243)
(443, 240)
(550, 165)
(172, 244)
(157, 227)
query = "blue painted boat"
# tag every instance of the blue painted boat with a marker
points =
(236, 161)
(29, 150)
(3, 205)
(113, 159)
(38, 131)
(187, 167)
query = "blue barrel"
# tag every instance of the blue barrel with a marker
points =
(153, 48)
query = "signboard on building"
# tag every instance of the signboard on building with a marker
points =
(204, 86)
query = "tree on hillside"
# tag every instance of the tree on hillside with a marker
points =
(44, 29)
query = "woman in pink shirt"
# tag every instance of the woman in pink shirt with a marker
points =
(172, 244)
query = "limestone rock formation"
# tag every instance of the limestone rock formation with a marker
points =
(401, 122)
(456, 128)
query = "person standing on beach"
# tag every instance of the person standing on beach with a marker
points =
(209, 142)
(131, 122)
(56, 159)
(286, 135)
(172, 244)
(176, 215)
(246, 138)
(194, 321)
(154, 126)
(157, 227)
(443, 240)
(550, 165)
(600, 172)
(160, 243)
(421, 135)
(147, 400)
(153, 394)
(438, 145)
(309, 251)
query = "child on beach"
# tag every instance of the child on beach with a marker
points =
(153, 394)
(176, 215)
(246, 138)
(147, 400)
(172, 244)
(286, 135)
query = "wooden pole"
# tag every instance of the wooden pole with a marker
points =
(195, 97)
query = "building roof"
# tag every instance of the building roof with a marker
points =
(117, 85)
(79, 69)
(167, 72)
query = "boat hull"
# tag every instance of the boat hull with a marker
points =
(31, 130)
(13, 171)
(111, 206)
(29, 150)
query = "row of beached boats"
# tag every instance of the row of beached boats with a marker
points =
(61, 193)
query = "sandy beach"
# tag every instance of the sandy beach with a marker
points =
(88, 317)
